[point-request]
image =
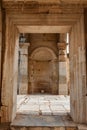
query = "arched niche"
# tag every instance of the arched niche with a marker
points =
(43, 71)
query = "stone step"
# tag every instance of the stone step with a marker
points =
(44, 128)
(33, 122)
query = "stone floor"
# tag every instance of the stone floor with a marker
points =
(43, 120)
(44, 112)
(43, 104)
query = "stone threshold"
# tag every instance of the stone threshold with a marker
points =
(43, 121)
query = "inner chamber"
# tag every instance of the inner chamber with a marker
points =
(43, 64)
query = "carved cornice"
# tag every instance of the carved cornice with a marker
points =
(36, 7)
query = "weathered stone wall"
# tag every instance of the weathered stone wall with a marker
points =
(40, 73)
(77, 63)
(78, 73)
(41, 76)
(43, 40)
(39, 67)
(37, 75)
(0, 40)
(85, 27)
(0, 54)
(68, 73)
(63, 86)
(10, 69)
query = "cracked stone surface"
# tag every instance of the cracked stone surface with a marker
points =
(43, 104)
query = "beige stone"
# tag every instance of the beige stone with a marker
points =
(69, 15)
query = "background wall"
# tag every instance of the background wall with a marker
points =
(40, 73)
(42, 65)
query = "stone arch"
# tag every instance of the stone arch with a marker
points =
(43, 53)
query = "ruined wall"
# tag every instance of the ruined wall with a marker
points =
(78, 73)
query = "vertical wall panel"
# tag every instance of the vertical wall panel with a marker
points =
(10, 73)
(78, 72)
(0, 46)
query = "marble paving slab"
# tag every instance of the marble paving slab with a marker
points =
(43, 104)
